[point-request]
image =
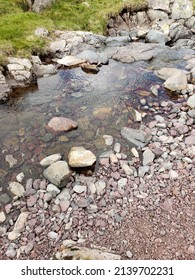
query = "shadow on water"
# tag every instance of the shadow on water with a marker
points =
(98, 102)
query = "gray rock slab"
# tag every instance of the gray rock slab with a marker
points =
(137, 137)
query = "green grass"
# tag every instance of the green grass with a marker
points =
(17, 27)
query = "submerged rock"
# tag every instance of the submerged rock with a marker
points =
(80, 157)
(61, 124)
(17, 189)
(50, 159)
(136, 136)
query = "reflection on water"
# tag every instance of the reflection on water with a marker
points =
(74, 94)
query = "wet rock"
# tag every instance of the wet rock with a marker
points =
(102, 113)
(80, 157)
(19, 226)
(117, 41)
(90, 68)
(135, 136)
(10, 160)
(69, 61)
(93, 57)
(108, 140)
(177, 82)
(137, 117)
(58, 173)
(148, 157)
(191, 101)
(50, 159)
(61, 124)
(2, 217)
(182, 9)
(165, 72)
(42, 70)
(17, 189)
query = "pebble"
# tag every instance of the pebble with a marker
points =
(173, 175)
(122, 183)
(108, 140)
(10, 160)
(129, 254)
(52, 235)
(53, 189)
(2, 217)
(135, 152)
(113, 159)
(100, 187)
(79, 189)
(128, 170)
(50, 159)
(17, 189)
(148, 157)
(20, 177)
(117, 147)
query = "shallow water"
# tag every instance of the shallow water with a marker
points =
(74, 94)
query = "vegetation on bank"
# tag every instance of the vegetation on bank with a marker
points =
(17, 24)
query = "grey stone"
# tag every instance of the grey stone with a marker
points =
(58, 173)
(2, 217)
(50, 159)
(100, 187)
(117, 41)
(19, 226)
(191, 101)
(182, 9)
(41, 32)
(148, 157)
(39, 5)
(52, 235)
(53, 189)
(117, 147)
(70, 60)
(157, 15)
(122, 182)
(127, 169)
(79, 188)
(135, 136)
(165, 72)
(143, 170)
(93, 57)
(108, 140)
(64, 195)
(155, 36)
(10, 160)
(159, 5)
(20, 177)
(129, 254)
(4, 89)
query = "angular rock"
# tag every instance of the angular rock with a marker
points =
(148, 157)
(39, 5)
(157, 15)
(137, 117)
(79, 188)
(58, 173)
(143, 170)
(122, 182)
(165, 72)
(159, 5)
(108, 140)
(50, 159)
(173, 174)
(2, 217)
(19, 226)
(182, 9)
(137, 137)
(71, 61)
(80, 157)
(17, 189)
(64, 195)
(100, 187)
(127, 169)
(61, 124)
(53, 189)
(20, 177)
(177, 82)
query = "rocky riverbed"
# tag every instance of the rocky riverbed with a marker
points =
(119, 182)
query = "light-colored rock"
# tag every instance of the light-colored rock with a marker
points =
(52, 235)
(64, 195)
(83, 253)
(19, 226)
(177, 82)
(58, 173)
(127, 169)
(165, 72)
(10, 160)
(191, 101)
(17, 189)
(80, 157)
(159, 5)
(41, 32)
(135, 152)
(137, 117)
(129, 254)
(61, 124)
(117, 41)
(20, 177)
(58, 46)
(53, 189)
(122, 182)
(108, 140)
(93, 57)
(117, 147)
(143, 170)
(100, 187)
(148, 157)
(50, 159)
(79, 188)
(135, 136)
(4, 89)
(2, 217)
(173, 174)
(39, 5)
(70, 60)
(157, 15)
(182, 9)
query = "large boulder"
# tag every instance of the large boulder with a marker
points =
(182, 9)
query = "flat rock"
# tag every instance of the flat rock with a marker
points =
(166, 72)
(70, 60)
(80, 157)
(135, 136)
(79, 188)
(177, 82)
(58, 173)
(50, 159)
(155, 36)
(61, 124)
(17, 189)
(93, 57)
